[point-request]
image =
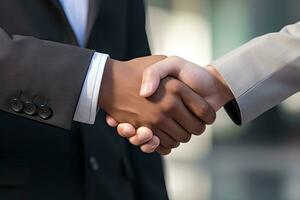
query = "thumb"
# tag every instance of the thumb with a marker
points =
(111, 121)
(153, 74)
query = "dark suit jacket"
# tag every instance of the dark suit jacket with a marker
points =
(41, 158)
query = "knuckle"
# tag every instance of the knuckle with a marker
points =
(164, 151)
(186, 138)
(175, 59)
(175, 145)
(169, 104)
(161, 57)
(157, 118)
(203, 110)
(213, 118)
(200, 130)
(197, 130)
(172, 145)
(167, 145)
(173, 86)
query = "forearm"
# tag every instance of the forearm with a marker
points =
(42, 72)
(263, 72)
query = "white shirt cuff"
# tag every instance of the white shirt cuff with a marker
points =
(86, 110)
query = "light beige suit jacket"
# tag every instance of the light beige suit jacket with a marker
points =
(262, 73)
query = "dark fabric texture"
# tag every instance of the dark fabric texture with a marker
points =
(233, 110)
(40, 161)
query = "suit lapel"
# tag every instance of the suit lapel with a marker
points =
(58, 7)
(94, 6)
(92, 15)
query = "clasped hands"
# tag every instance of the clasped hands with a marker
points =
(158, 102)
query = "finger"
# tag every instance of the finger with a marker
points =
(198, 105)
(175, 131)
(150, 146)
(170, 66)
(126, 130)
(162, 150)
(111, 121)
(165, 140)
(188, 121)
(142, 136)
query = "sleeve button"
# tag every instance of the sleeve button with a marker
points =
(93, 163)
(44, 112)
(16, 105)
(29, 108)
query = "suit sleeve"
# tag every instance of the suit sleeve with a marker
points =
(41, 80)
(262, 73)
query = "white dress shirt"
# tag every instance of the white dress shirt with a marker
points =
(77, 14)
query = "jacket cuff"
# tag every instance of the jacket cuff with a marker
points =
(233, 111)
(86, 110)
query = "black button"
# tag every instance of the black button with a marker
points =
(16, 105)
(29, 108)
(45, 112)
(93, 163)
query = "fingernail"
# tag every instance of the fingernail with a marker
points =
(145, 88)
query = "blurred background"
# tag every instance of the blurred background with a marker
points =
(260, 160)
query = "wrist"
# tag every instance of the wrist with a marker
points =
(105, 93)
(223, 94)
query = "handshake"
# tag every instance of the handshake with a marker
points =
(158, 102)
